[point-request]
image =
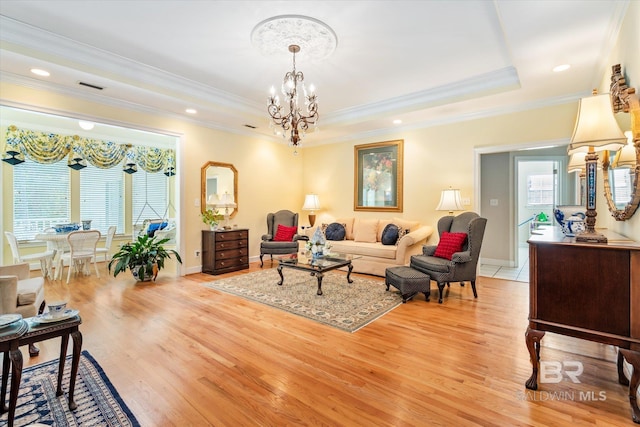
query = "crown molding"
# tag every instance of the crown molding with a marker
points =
(485, 84)
(18, 37)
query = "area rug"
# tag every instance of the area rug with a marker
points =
(99, 404)
(343, 305)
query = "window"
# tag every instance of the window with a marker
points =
(102, 197)
(150, 195)
(620, 182)
(41, 195)
(540, 189)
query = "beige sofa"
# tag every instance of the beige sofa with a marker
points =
(363, 239)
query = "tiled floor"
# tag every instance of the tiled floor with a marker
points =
(520, 273)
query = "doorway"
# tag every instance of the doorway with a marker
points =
(541, 185)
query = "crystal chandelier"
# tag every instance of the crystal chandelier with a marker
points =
(298, 118)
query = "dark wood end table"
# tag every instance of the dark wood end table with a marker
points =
(9, 343)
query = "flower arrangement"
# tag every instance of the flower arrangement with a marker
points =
(377, 167)
(211, 217)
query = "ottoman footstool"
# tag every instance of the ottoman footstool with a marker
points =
(408, 281)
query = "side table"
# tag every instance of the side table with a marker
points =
(9, 343)
(63, 328)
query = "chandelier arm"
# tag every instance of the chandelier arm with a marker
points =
(294, 120)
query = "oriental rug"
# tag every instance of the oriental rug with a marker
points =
(99, 404)
(343, 305)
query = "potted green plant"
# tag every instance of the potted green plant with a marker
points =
(144, 257)
(212, 218)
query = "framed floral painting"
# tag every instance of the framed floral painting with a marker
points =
(378, 177)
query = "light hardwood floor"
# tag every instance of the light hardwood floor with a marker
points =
(181, 354)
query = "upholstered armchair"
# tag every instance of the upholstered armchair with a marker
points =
(455, 258)
(21, 294)
(282, 235)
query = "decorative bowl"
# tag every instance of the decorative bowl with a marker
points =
(66, 228)
(570, 218)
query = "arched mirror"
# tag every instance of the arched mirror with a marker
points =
(621, 168)
(219, 183)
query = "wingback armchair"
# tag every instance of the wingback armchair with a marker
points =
(21, 294)
(463, 264)
(270, 244)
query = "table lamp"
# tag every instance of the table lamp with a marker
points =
(450, 201)
(311, 203)
(595, 130)
(226, 202)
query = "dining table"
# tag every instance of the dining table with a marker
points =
(59, 244)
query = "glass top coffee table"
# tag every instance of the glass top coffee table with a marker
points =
(316, 266)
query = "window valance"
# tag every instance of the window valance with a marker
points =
(51, 148)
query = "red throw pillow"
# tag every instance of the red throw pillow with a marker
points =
(449, 244)
(284, 233)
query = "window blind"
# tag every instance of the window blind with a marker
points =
(150, 195)
(102, 197)
(40, 197)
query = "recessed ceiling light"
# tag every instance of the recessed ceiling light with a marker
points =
(191, 111)
(397, 121)
(40, 72)
(562, 67)
(86, 125)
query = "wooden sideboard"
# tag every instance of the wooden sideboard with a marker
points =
(225, 250)
(589, 291)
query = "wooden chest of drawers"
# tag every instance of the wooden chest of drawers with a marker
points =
(225, 251)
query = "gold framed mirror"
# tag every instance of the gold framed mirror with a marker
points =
(621, 169)
(217, 180)
(621, 186)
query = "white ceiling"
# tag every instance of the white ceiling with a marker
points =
(424, 62)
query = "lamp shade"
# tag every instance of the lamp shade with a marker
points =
(577, 162)
(596, 126)
(226, 201)
(626, 157)
(450, 201)
(311, 202)
(213, 200)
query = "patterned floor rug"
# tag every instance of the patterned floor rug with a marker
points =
(347, 306)
(99, 404)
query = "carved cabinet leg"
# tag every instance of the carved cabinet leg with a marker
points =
(621, 378)
(533, 338)
(633, 357)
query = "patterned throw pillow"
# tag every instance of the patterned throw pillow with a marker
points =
(449, 244)
(401, 233)
(334, 231)
(285, 233)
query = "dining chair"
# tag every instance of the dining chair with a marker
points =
(82, 245)
(106, 250)
(45, 258)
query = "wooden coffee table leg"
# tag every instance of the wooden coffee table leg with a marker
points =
(16, 375)
(533, 337)
(319, 276)
(633, 357)
(280, 273)
(349, 274)
(75, 361)
(63, 354)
